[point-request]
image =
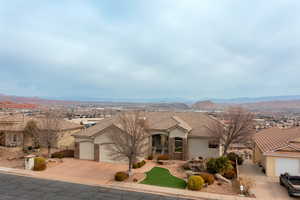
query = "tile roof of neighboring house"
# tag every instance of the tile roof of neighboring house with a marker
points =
(194, 122)
(273, 139)
(18, 123)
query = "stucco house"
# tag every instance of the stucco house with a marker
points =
(181, 135)
(278, 151)
(12, 132)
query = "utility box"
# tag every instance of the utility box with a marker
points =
(29, 162)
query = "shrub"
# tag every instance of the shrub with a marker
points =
(142, 163)
(208, 178)
(229, 174)
(233, 157)
(218, 165)
(39, 164)
(163, 157)
(247, 182)
(121, 176)
(135, 165)
(211, 166)
(150, 157)
(240, 160)
(63, 154)
(139, 164)
(195, 183)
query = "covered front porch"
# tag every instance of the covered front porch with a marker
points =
(163, 143)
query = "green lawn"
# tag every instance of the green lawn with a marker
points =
(162, 177)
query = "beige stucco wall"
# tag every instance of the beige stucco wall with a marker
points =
(104, 140)
(199, 147)
(257, 155)
(270, 166)
(177, 133)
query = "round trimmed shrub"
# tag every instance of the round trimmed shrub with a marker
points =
(135, 165)
(121, 176)
(39, 164)
(208, 178)
(229, 174)
(195, 183)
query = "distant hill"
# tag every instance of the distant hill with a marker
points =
(205, 105)
(31, 100)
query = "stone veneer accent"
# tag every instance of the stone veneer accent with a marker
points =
(96, 152)
(76, 150)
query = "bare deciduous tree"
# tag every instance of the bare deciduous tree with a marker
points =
(237, 127)
(130, 141)
(50, 127)
(31, 129)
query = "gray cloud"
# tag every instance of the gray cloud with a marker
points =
(189, 49)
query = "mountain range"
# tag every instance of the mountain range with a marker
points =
(270, 104)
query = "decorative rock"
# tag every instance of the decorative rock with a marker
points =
(222, 178)
(189, 173)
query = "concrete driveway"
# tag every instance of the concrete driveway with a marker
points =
(266, 188)
(89, 172)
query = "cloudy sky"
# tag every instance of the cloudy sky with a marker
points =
(149, 49)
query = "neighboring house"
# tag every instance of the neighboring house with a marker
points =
(181, 135)
(278, 151)
(12, 132)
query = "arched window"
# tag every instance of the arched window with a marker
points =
(178, 144)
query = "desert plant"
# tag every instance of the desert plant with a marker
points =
(163, 157)
(39, 164)
(121, 176)
(235, 157)
(195, 183)
(211, 166)
(247, 182)
(208, 178)
(229, 174)
(218, 165)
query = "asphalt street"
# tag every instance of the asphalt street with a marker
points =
(13, 187)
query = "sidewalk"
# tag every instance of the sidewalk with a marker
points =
(133, 187)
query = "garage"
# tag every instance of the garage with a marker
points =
(105, 153)
(86, 150)
(290, 165)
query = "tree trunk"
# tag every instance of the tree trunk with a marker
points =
(225, 149)
(49, 151)
(130, 166)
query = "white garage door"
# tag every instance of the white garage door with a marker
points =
(86, 150)
(105, 153)
(283, 165)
